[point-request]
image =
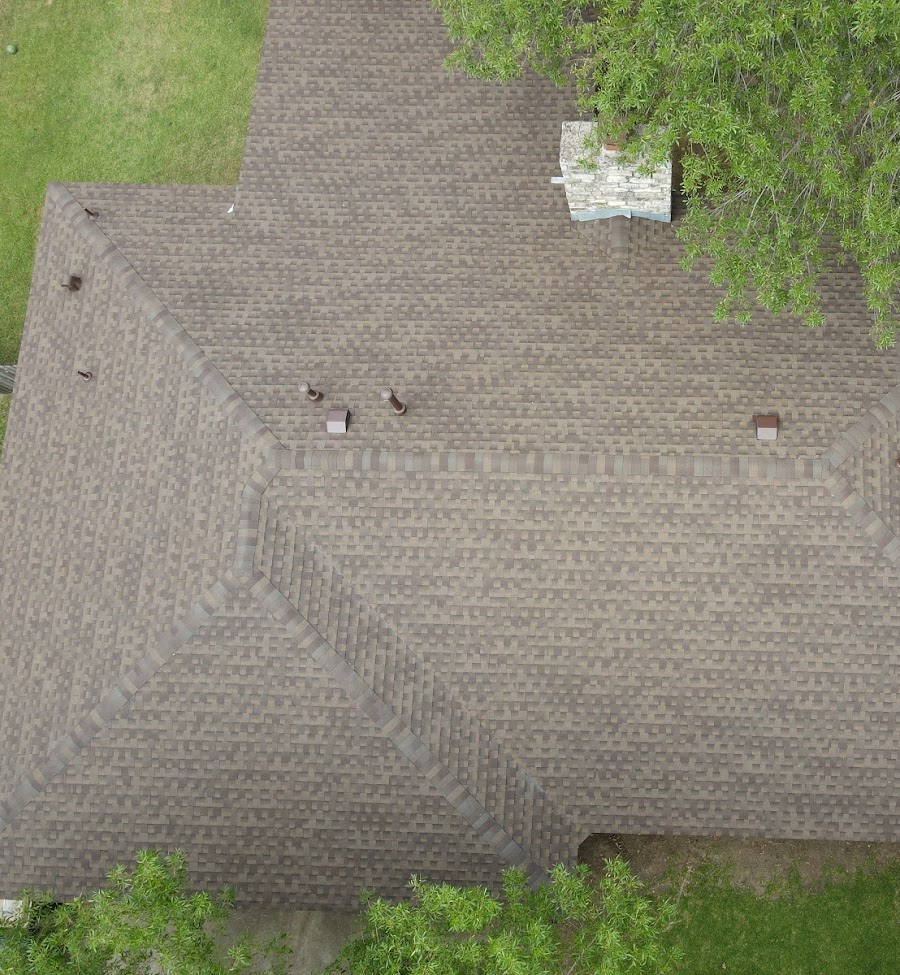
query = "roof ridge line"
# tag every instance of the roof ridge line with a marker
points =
(499, 461)
(155, 309)
(391, 722)
(850, 441)
(864, 516)
(34, 780)
(396, 727)
(557, 840)
(847, 445)
(250, 512)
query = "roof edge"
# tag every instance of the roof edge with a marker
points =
(156, 311)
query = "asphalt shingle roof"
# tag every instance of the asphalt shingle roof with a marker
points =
(567, 592)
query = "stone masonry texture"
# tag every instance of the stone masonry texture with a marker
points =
(599, 181)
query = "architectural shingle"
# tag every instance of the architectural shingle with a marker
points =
(567, 592)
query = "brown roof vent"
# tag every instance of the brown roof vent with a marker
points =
(766, 426)
(71, 282)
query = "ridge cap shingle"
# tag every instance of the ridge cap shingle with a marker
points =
(853, 438)
(158, 313)
(33, 780)
(395, 714)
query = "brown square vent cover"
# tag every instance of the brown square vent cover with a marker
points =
(766, 426)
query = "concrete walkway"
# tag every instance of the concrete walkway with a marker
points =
(316, 937)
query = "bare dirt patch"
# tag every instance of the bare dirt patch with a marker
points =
(755, 862)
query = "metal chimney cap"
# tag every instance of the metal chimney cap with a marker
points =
(387, 393)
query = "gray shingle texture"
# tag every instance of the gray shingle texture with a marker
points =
(566, 592)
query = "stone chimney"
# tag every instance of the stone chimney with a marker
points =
(607, 186)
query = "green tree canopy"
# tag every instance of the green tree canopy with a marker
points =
(144, 923)
(569, 926)
(787, 113)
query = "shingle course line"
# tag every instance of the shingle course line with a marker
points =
(864, 516)
(548, 464)
(627, 466)
(391, 722)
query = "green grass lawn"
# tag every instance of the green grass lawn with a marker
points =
(4, 411)
(850, 927)
(145, 91)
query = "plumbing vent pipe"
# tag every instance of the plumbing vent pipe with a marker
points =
(314, 395)
(387, 394)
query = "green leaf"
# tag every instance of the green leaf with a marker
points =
(783, 114)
